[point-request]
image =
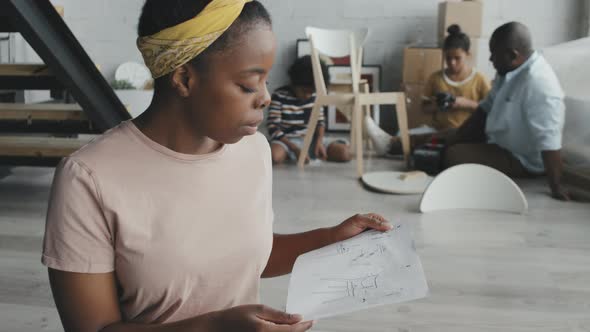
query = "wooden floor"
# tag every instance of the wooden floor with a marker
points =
(486, 271)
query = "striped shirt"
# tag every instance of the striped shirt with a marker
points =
(289, 116)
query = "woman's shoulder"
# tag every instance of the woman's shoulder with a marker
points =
(257, 142)
(253, 152)
(105, 148)
(100, 153)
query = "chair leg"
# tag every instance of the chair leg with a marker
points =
(402, 120)
(352, 132)
(366, 111)
(313, 122)
(357, 113)
(369, 143)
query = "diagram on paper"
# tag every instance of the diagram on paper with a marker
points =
(369, 270)
(364, 246)
(360, 289)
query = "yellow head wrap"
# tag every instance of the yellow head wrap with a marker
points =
(175, 46)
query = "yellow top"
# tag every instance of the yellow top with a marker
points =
(475, 87)
(175, 46)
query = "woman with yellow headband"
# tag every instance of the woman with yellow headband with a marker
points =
(165, 222)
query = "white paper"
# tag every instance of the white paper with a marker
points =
(369, 270)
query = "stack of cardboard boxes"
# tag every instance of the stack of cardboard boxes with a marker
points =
(420, 62)
(468, 14)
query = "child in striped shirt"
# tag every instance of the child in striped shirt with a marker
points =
(289, 115)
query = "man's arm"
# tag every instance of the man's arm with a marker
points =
(474, 129)
(553, 167)
(545, 113)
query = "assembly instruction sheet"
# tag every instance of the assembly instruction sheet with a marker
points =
(371, 269)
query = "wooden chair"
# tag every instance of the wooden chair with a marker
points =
(342, 43)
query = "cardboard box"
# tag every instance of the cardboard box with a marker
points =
(420, 63)
(414, 103)
(467, 14)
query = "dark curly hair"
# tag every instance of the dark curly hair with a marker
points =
(457, 39)
(301, 72)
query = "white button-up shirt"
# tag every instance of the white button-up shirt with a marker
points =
(526, 112)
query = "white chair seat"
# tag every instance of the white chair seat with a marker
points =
(473, 187)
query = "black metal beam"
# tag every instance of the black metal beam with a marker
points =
(47, 33)
(50, 127)
(30, 83)
(5, 25)
(30, 161)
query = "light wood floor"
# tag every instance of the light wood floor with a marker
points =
(486, 271)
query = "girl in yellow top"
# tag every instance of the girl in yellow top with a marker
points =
(459, 79)
(460, 85)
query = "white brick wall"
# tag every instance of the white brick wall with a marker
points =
(552, 21)
(106, 28)
(393, 24)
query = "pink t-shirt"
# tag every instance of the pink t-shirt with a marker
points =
(184, 234)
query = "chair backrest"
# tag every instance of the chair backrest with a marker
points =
(336, 43)
(473, 187)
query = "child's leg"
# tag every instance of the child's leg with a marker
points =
(381, 139)
(279, 152)
(338, 152)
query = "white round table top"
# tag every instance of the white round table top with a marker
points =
(394, 182)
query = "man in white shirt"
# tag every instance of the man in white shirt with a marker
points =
(518, 128)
